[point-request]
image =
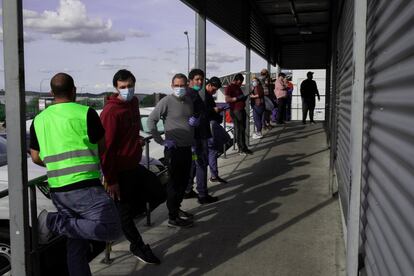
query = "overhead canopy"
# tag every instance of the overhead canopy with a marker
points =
(292, 33)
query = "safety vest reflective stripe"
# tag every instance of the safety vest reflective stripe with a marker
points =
(70, 154)
(75, 169)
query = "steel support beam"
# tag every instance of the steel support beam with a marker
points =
(16, 136)
(247, 86)
(357, 124)
(200, 42)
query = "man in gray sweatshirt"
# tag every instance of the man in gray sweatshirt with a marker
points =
(179, 121)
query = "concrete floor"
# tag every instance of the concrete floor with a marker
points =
(275, 217)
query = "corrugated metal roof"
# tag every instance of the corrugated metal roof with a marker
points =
(293, 33)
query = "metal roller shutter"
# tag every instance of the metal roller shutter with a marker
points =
(388, 171)
(343, 101)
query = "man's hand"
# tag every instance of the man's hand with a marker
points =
(169, 144)
(194, 121)
(113, 191)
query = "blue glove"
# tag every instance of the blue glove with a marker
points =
(169, 144)
(225, 106)
(194, 121)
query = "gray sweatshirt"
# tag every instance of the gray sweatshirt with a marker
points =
(175, 112)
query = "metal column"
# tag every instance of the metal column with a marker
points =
(247, 86)
(16, 136)
(357, 123)
(200, 42)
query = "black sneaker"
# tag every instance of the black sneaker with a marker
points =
(179, 222)
(207, 199)
(185, 215)
(145, 255)
(191, 194)
(217, 180)
(248, 151)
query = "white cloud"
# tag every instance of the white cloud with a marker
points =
(137, 33)
(211, 67)
(71, 23)
(111, 66)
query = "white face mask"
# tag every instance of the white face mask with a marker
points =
(179, 91)
(127, 93)
(254, 83)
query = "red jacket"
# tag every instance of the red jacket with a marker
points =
(122, 123)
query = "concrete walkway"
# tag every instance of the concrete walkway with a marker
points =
(274, 217)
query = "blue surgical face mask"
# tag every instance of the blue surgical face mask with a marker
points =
(196, 88)
(179, 91)
(127, 93)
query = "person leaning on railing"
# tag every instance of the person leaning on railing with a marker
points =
(66, 138)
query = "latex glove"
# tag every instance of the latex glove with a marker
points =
(225, 106)
(169, 144)
(194, 121)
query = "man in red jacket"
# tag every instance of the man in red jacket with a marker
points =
(120, 162)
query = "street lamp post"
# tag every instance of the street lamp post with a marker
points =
(188, 52)
(40, 85)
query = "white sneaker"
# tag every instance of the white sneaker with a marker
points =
(256, 136)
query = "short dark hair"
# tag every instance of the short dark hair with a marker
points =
(62, 85)
(195, 72)
(122, 75)
(281, 75)
(238, 77)
(179, 76)
(214, 81)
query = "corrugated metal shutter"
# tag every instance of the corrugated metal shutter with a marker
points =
(305, 55)
(343, 101)
(388, 184)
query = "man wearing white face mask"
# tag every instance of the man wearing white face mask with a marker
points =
(120, 162)
(176, 110)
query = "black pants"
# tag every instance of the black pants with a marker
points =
(179, 166)
(239, 121)
(281, 110)
(137, 187)
(307, 105)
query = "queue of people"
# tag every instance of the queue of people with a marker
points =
(76, 146)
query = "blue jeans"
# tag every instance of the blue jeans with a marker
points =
(82, 215)
(201, 150)
(258, 112)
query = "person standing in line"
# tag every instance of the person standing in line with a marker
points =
(289, 98)
(308, 91)
(235, 97)
(217, 141)
(202, 133)
(281, 95)
(120, 161)
(258, 105)
(177, 111)
(267, 88)
(67, 138)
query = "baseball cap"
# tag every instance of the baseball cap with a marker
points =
(214, 81)
(309, 73)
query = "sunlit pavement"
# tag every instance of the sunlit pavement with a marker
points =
(276, 216)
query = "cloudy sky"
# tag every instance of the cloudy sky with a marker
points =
(92, 39)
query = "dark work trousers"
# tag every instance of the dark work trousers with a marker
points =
(179, 166)
(307, 105)
(82, 215)
(281, 112)
(212, 158)
(258, 113)
(239, 121)
(200, 164)
(137, 187)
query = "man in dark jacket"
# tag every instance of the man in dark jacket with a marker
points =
(120, 162)
(308, 91)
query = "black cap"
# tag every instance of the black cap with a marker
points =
(214, 81)
(309, 73)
